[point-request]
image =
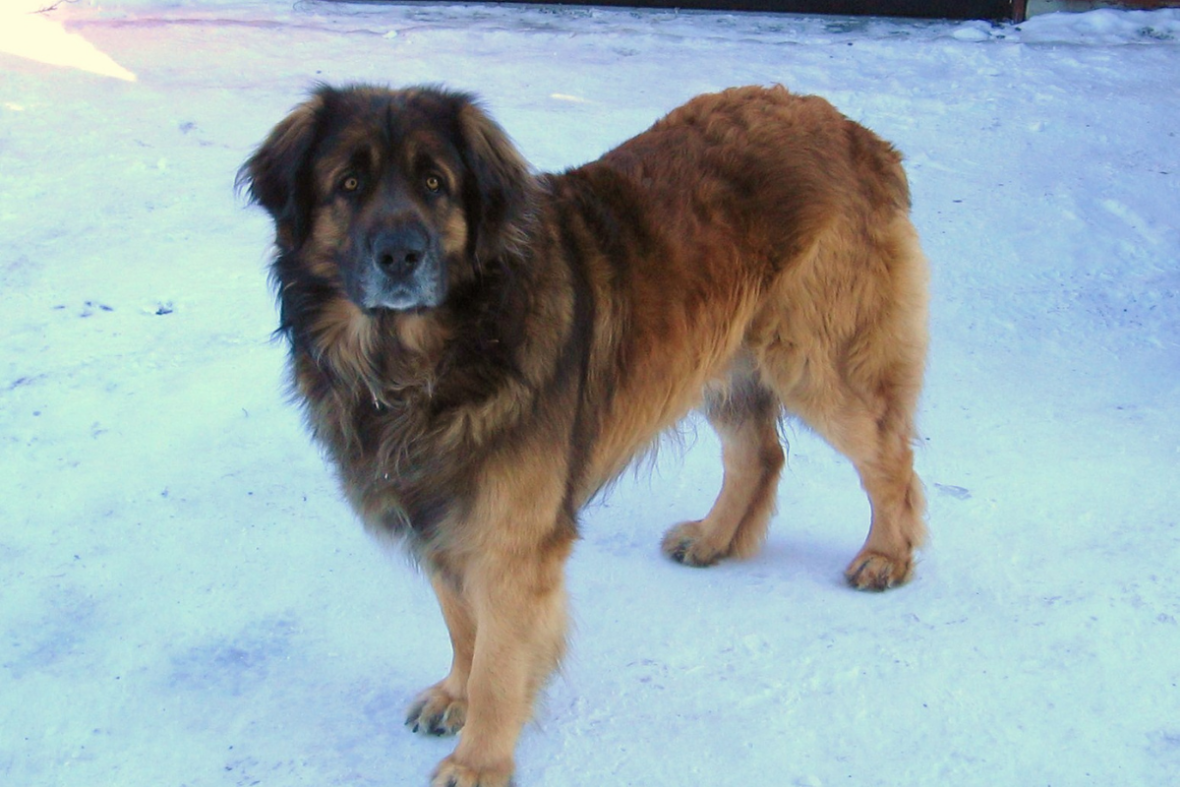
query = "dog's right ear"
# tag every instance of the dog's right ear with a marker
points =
(277, 176)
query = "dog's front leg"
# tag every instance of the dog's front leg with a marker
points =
(506, 565)
(517, 598)
(442, 709)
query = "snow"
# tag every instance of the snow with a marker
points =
(186, 600)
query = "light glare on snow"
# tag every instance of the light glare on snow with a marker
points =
(24, 33)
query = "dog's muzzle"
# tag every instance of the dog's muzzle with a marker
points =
(402, 269)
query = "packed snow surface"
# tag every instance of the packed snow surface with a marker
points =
(186, 600)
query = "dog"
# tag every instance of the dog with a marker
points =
(480, 348)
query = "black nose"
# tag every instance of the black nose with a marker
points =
(399, 251)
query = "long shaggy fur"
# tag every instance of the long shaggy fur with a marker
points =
(750, 254)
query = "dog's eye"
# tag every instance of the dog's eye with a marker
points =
(433, 184)
(350, 183)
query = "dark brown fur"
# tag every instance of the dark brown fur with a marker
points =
(749, 253)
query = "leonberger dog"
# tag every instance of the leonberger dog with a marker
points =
(481, 348)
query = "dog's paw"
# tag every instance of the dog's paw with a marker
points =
(687, 545)
(451, 773)
(874, 571)
(437, 712)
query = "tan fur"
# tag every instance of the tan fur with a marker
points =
(751, 253)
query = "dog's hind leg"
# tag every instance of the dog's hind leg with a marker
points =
(876, 434)
(853, 372)
(745, 417)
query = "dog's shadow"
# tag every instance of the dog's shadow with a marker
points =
(795, 558)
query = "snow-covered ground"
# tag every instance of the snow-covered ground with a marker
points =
(185, 599)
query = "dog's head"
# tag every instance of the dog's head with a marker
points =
(392, 197)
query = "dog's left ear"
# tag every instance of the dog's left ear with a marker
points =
(276, 176)
(502, 189)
